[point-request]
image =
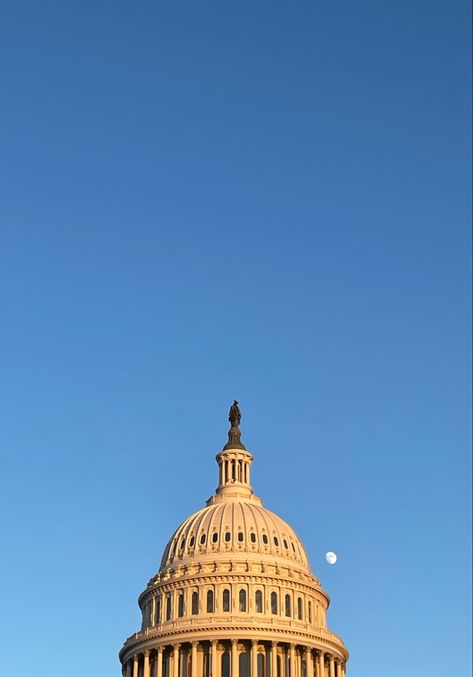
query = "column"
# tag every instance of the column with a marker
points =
(292, 657)
(321, 664)
(332, 666)
(175, 660)
(213, 658)
(274, 659)
(159, 662)
(309, 666)
(254, 658)
(135, 666)
(234, 659)
(128, 669)
(146, 672)
(153, 612)
(194, 659)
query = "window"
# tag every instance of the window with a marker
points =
(210, 601)
(226, 664)
(180, 605)
(214, 537)
(244, 664)
(265, 539)
(274, 603)
(242, 600)
(276, 541)
(183, 542)
(253, 537)
(285, 543)
(293, 547)
(240, 536)
(260, 665)
(226, 600)
(259, 601)
(309, 611)
(299, 608)
(192, 541)
(227, 536)
(168, 606)
(195, 603)
(287, 605)
(158, 611)
(202, 539)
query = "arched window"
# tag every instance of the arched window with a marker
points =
(195, 603)
(244, 664)
(299, 608)
(226, 664)
(260, 665)
(309, 611)
(274, 602)
(242, 600)
(259, 601)
(287, 605)
(210, 601)
(180, 605)
(168, 606)
(226, 600)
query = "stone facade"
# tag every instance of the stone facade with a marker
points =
(234, 595)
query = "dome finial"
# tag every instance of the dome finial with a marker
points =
(234, 434)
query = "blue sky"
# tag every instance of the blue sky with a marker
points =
(264, 201)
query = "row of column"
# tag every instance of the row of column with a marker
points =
(234, 469)
(318, 663)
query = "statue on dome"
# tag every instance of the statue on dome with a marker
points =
(234, 415)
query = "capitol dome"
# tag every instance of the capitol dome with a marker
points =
(234, 595)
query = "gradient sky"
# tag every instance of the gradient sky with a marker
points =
(266, 201)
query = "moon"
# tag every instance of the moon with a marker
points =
(330, 557)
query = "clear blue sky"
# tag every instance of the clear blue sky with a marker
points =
(266, 201)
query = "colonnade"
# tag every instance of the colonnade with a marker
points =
(234, 658)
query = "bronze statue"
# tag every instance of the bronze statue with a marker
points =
(234, 415)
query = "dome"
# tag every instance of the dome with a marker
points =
(234, 595)
(237, 528)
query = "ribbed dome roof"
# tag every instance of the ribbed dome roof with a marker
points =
(233, 526)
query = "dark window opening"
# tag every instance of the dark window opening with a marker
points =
(287, 604)
(210, 601)
(274, 603)
(195, 603)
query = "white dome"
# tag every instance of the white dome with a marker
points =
(234, 527)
